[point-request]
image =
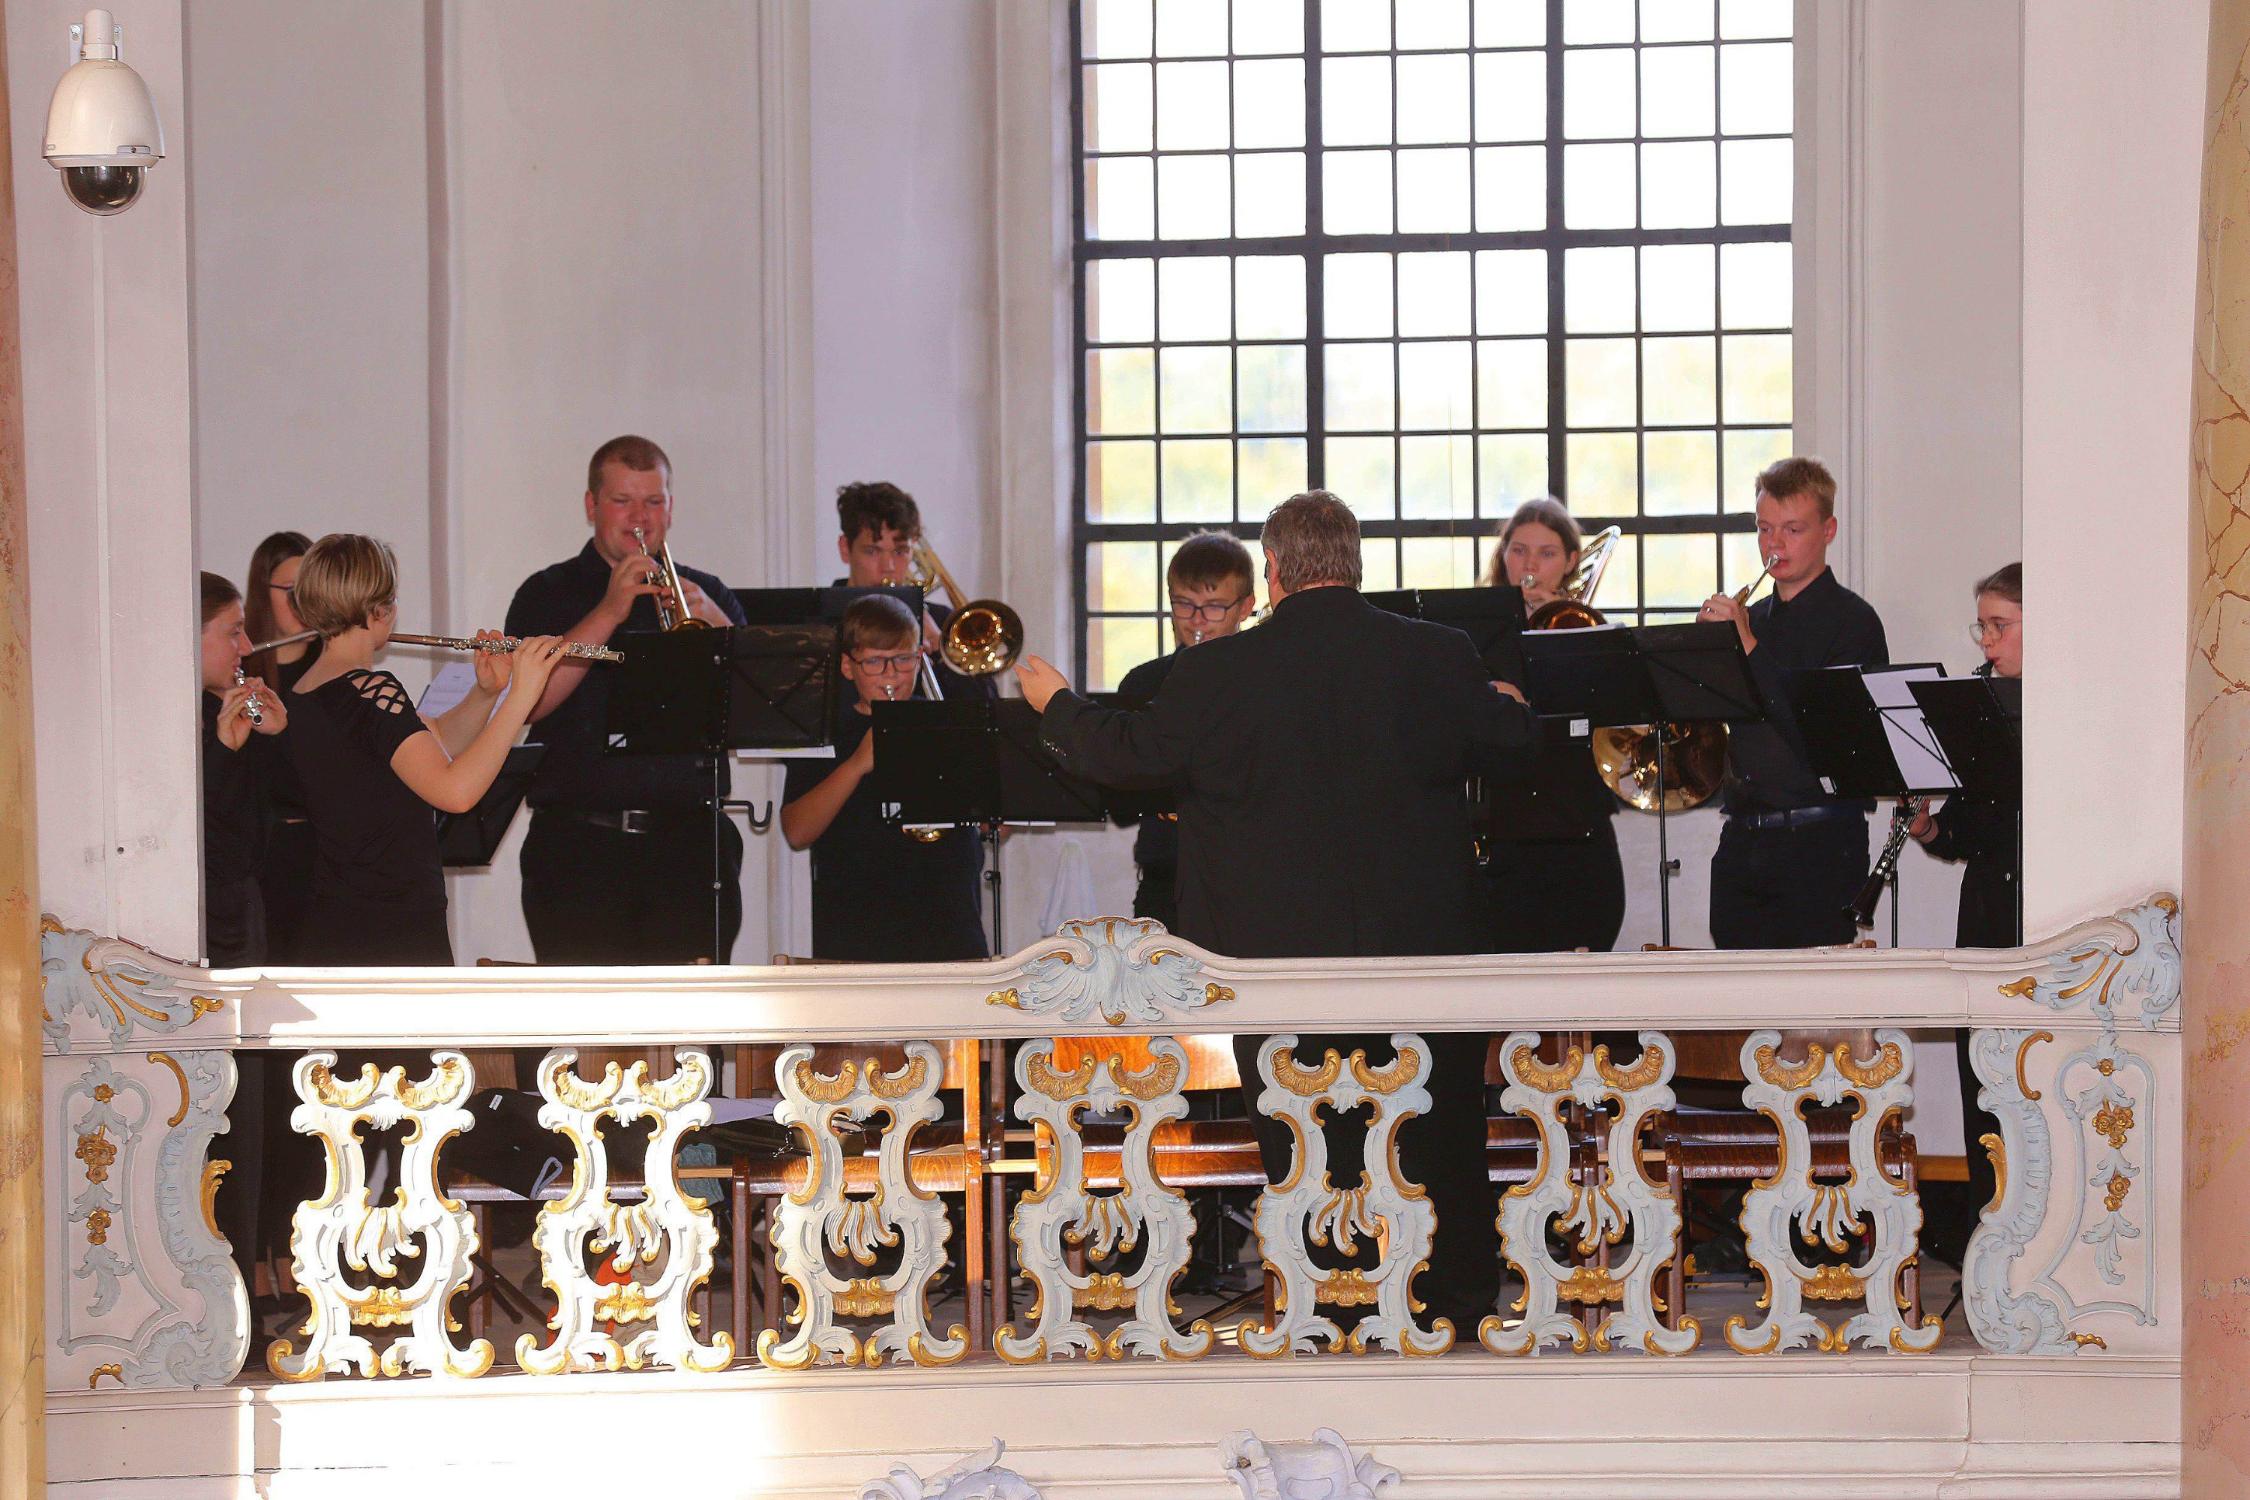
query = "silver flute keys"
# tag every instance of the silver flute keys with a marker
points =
(506, 643)
(249, 704)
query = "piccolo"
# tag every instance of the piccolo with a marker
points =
(581, 649)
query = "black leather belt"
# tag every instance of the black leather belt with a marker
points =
(623, 819)
(1798, 817)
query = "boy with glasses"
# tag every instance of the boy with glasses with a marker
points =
(1210, 579)
(879, 895)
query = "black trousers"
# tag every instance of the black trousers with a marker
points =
(1787, 887)
(1442, 1150)
(1156, 896)
(1556, 896)
(595, 895)
(234, 923)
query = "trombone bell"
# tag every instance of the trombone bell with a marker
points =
(984, 636)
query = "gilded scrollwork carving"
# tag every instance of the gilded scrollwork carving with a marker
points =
(665, 1229)
(820, 1219)
(1115, 971)
(153, 1295)
(120, 987)
(343, 1230)
(1309, 1207)
(2127, 962)
(1143, 1210)
(1889, 1210)
(1589, 1215)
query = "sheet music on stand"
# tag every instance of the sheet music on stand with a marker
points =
(1865, 733)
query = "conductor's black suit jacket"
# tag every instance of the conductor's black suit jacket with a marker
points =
(1320, 762)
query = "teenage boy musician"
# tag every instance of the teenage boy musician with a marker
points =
(880, 894)
(1211, 583)
(877, 527)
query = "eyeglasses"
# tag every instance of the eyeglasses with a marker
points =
(884, 666)
(1982, 632)
(1213, 613)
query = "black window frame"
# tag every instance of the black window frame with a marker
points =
(1314, 245)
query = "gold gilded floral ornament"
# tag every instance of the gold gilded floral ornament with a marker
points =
(1306, 1206)
(810, 1219)
(1829, 1212)
(666, 1228)
(1061, 1208)
(1620, 1199)
(342, 1229)
(1114, 971)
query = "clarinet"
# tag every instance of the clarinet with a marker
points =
(1862, 909)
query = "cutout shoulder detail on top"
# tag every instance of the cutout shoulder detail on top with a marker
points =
(383, 690)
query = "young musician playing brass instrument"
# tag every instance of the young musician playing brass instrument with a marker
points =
(1210, 579)
(878, 528)
(373, 768)
(880, 894)
(1554, 894)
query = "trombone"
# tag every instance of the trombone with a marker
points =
(672, 611)
(984, 636)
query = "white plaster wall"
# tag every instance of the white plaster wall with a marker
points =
(106, 442)
(600, 229)
(2113, 112)
(311, 283)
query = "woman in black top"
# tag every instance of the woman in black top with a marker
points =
(880, 895)
(269, 613)
(373, 768)
(234, 770)
(1982, 831)
(1554, 891)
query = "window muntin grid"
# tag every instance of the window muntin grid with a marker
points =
(1438, 256)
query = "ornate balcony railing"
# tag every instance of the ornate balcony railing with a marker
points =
(1026, 1122)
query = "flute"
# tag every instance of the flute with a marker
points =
(283, 640)
(579, 649)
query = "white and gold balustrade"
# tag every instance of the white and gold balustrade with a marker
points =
(1027, 1154)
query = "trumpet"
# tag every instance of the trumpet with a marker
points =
(583, 650)
(672, 611)
(984, 636)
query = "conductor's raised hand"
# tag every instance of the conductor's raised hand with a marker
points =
(493, 667)
(1040, 682)
(535, 659)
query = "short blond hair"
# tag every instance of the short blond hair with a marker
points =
(1786, 479)
(343, 580)
(1313, 539)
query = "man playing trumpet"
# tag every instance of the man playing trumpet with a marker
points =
(617, 863)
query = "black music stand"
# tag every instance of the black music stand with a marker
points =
(1861, 749)
(707, 693)
(974, 763)
(1492, 618)
(1655, 675)
(1978, 722)
(469, 840)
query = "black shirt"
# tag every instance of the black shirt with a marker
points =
(1321, 762)
(1982, 831)
(285, 794)
(233, 801)
(378, 846)
(1156, 848)
(577, 770)
(1826, 625)
(881, 895)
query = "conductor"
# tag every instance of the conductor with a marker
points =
(1319, 763)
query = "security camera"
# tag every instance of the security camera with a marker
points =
(102, 130)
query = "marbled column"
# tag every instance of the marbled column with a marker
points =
(2215, 1403)
(23, 1449)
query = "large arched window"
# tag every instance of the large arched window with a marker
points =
(1438, 256)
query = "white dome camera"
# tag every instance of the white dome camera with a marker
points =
(102, 130)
